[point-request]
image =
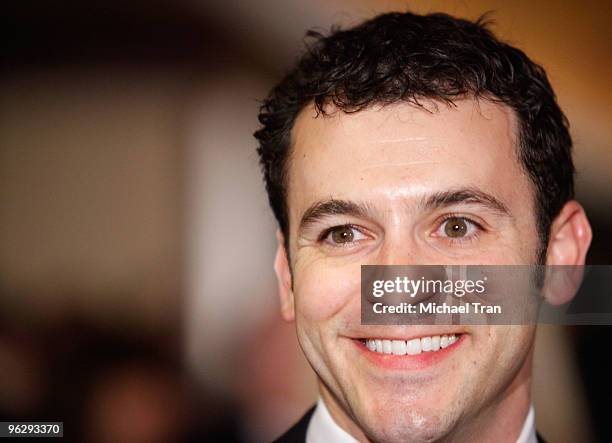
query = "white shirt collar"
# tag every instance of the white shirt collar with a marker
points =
(528, 433)
(323, 429)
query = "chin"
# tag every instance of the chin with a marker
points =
(409, 418)
(406, 426)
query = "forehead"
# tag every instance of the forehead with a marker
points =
(384, 153)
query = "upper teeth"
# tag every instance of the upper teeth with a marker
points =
(410, 347)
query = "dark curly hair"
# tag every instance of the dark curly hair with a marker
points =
(407, 57)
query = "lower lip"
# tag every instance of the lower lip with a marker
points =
(410, 362)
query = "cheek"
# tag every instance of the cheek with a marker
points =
(323, 290)
(511, 344)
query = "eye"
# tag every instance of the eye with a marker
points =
(342, 235)
(455, 227)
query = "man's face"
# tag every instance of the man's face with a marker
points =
(401, 185)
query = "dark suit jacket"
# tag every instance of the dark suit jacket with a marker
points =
(297, 433)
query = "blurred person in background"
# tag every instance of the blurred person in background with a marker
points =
(414, 139)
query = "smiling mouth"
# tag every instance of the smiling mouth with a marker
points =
(415, 346)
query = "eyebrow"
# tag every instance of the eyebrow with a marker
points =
(322, 209)
(465, 195)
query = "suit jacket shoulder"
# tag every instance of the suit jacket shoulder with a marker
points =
(297, 433)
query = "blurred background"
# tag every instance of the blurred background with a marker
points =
(137, 297)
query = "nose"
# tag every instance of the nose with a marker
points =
(402, 258)
(400, 250)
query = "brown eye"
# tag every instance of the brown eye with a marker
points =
(342, 234)
(455, 227)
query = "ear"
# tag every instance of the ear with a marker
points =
(570, 237)
(283, 277)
